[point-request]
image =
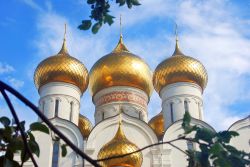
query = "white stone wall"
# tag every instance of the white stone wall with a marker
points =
(132, 100)
(45, 143)
(69, 100)
(241, 142)
(176, 94)
(175, 157)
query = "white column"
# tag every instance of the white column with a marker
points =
(132, 100)
(183, 96)
(65, 94)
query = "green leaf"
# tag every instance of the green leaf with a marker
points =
(34, 147)
(91, 1)
(135, 2)
(5, 121)
(86, 24)
(37, 126)
(186, 123)
(216, 149)
(129, 3)
(109, 19)
(225, 136)
(22, 124)
(9, 153)
(24, 156)
(10, 163)
(205, 135)
(7, 134)
(16, 144)
(121, 2)
(31, 136)
(96, 27)
(64, 150)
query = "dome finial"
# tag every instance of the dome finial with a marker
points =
(120, 46)
(120, 25)
(176, 34)
(64, 50)
(177, 49)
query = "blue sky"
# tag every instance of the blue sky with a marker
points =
(217, 32)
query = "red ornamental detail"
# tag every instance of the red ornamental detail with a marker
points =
(122, 96)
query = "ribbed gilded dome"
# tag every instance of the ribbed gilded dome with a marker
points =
(157, 124)
(179, 68)
(61, 68)
(84, 125)
(120, 145)
(120, 68)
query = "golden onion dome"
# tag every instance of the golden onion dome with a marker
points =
(61, 68)
(84, 125)
(120, 68)
(179, 68)
(120, 145)
(157, 124)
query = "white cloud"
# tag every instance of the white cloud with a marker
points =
(33, 5)
(208, 32)
(6, 68)
(15, 82)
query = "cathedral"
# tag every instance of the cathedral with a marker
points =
(121, 84)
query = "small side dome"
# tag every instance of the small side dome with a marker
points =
(120, 145)
(61, 68)
(120, 68)
(179, 68)
(157, 124)
(85, 126)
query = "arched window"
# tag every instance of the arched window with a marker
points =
(71, 111)
(190, 145)
(186, 106)
(172, 111)
(56, 107)
(55, 156)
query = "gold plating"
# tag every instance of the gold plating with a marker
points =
(61, 68)
(120, 145)
(179, 68)
(85, 126)
(157, 124)
(120, 68)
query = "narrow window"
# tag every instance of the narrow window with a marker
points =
(172, 111)
(199, 108)
(55, 156)
(190, 145)
(56, 107)
(186, 105)
(103, 116)
(71, 111)
(43, 107)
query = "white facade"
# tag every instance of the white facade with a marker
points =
(181, 97)
(60, 103)
(135, 130)
(133, 101)
(61, 100)
(241, 142)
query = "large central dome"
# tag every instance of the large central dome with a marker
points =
(120, 68)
